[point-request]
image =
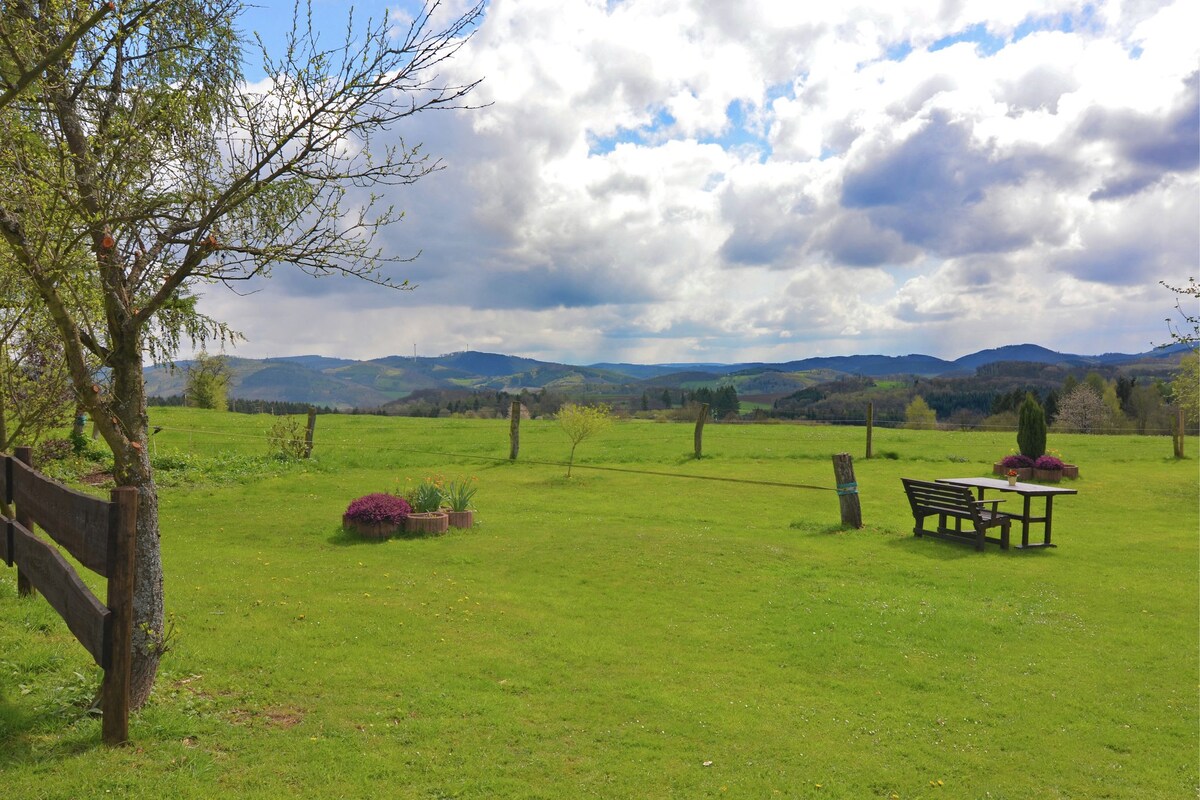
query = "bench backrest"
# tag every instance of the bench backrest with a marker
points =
(937, 498)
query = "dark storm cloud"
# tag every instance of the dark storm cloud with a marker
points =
(951, 195)
(936, 171)
(852, 240)
(542, 288)
(770, 223)
(1149, 147)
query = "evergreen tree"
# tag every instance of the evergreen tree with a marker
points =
(1031, 428)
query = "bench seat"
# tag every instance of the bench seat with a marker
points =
(929, 498)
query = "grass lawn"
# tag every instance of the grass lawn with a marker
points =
(628, 635)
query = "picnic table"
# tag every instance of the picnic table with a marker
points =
(1027, 491)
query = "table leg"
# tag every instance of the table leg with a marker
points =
(1025, 524)
(1049, 510)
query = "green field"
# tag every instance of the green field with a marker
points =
(624, 635)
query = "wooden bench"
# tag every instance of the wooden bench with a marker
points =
(947, 501)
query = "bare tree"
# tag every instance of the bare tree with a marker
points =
(142, 148)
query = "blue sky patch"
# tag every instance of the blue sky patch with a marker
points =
(985, 42)
(646, 134)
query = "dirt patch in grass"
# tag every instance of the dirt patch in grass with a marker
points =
(97, 478)
(283, 717)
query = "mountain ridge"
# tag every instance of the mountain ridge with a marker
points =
(348, 383)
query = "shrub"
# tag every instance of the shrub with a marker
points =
(1048, 462)
(1031, 428)
(379, 507)
(286, 439)
(1016, 462)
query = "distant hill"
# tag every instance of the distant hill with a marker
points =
(345, 383)
(1030, 353)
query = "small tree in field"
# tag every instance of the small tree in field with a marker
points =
(580, 423)
(918, 416)
(1031, 428)
(208, 383)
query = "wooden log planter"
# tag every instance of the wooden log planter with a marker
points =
(371, 530)
(427, 523)
(461, 519)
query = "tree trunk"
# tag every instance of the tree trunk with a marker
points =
(132, 468)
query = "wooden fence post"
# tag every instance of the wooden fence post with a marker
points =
(847, 489)
(699, 437)
(514, 430)
(114, 693)
(870, 426)
(24, 586)
(308, 432)
(1179, 432)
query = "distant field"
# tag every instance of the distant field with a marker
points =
(624, 635)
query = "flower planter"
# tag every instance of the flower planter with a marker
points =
(1048, 475)
(433, 522)
(1070, 471)
(371, 530)
(461, 519)
(1023, 473)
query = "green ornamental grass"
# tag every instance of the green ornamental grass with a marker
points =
(624, 634)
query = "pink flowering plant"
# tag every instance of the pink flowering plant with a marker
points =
(1016, 461)
(378, 508)
(1048, 462)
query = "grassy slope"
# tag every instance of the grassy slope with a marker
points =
(608, 635)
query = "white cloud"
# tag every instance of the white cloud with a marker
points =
(697, 180)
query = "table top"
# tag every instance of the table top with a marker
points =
(1024, 489)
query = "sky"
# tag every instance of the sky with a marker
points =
(658, 181)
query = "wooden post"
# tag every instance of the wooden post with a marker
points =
(114, 692)
(847, 489)
(24, 587)
(514, 430)
(699, 437)
(1179, 431)
(870, 426)
(308, 432)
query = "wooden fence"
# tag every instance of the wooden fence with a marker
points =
(100, 536)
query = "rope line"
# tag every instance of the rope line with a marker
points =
(524, 461)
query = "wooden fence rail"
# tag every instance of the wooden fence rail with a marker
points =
(99, 534)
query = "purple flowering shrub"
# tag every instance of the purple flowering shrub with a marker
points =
(379, 507)
(1017, 462)
(1048, 462)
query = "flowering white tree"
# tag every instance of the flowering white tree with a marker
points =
(1082, 410)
